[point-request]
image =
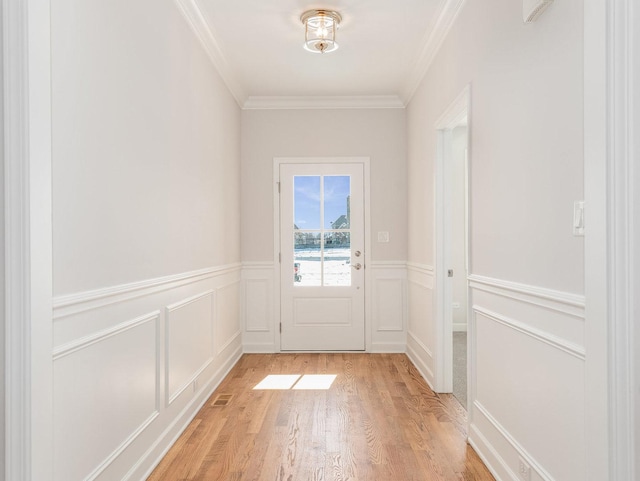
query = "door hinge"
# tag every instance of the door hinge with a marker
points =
(450, 273)
(279, 257)
(280, 328)
(278, 187)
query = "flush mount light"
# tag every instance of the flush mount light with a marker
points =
(320, 30)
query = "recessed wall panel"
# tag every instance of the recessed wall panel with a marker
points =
(532, 386)
(257, 304)
(228, 314)
(389, 304)
(189, 341)
(105, 393)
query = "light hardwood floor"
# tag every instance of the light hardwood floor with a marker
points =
(378, 421)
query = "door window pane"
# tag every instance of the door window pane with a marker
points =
(322, 247)
(307, 259)
(337, 257)
(306, 202)
(337, 198)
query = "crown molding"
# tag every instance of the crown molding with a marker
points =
(432, 42)
(196, 20)
(323, 102)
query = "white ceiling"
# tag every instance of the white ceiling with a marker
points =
(385, 48)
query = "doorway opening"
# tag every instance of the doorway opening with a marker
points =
(459, 293)
(452, 306)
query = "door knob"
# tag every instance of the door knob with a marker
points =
(357, 266)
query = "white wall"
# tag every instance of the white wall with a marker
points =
(146, 186)
(379, 134)
(526, 148)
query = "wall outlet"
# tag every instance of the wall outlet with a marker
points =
(524, 470)
(456, 305)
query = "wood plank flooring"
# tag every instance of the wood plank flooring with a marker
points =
(378, 421)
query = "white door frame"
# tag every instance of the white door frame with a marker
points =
(452, 117)
(612, 270)
(28, 240)
(277, 161)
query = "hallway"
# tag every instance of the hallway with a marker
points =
(144, 239)
(377, 421)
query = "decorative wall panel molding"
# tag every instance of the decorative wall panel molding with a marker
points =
(87, 341)
(257, 307)
(421, 320)
(527, 343)
(481, 443)
(388, 306)
(257, 300)
(110, 347)
(188, 342)
(227, 314)
(547, 338)
(95, 377)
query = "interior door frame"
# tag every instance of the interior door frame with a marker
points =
(277, 162)
(452, 117)
(28, 230)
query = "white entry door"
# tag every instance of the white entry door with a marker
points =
(322, 257)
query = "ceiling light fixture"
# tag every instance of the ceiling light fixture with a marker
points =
(320, 30)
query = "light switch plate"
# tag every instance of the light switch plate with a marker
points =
(383, 236)
(578, 218)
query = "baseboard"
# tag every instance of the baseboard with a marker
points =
(257, 348)
(460, 327)
(419, 363)
(489, 456)
(388, 347)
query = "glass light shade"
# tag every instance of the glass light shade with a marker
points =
(320, 30)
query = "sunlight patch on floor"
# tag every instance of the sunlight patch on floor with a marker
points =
(278, 381)
(295, 381)
(315, 381)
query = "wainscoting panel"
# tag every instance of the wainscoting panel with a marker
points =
(259, 292)
(133, 364)
(258, 313)
(106, 388)
(189, 341)
(527, 380)
(386, 312)
(388, 301)
(228, 316)
(421, 328)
